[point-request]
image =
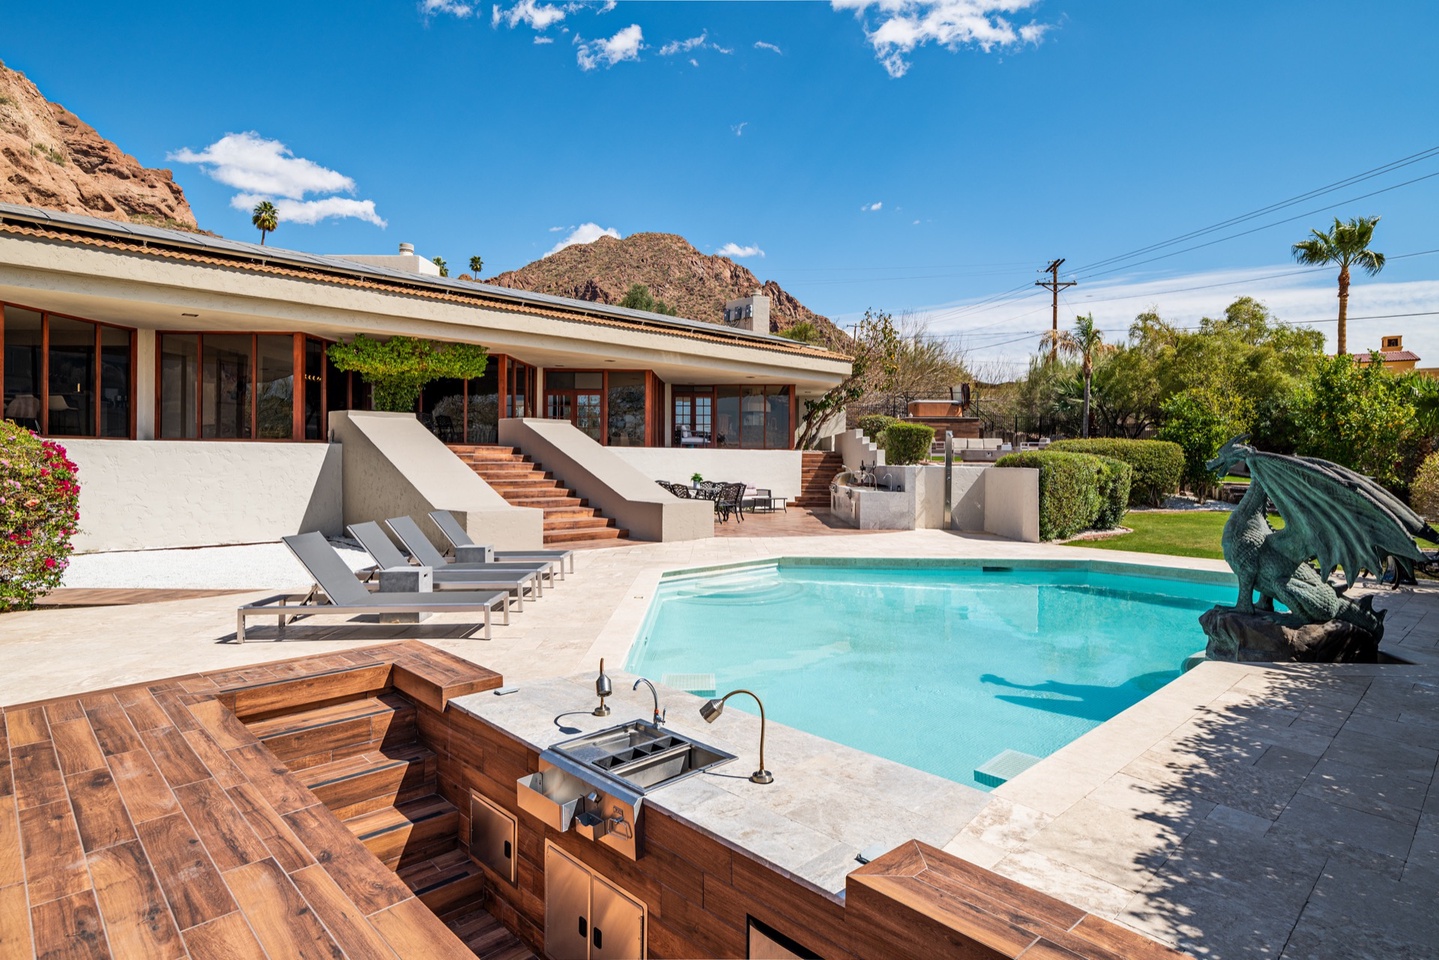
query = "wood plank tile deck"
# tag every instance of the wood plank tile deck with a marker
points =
(115, 597)
(148, 822)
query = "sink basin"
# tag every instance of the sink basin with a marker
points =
(641, 755)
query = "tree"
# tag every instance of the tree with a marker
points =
(1347, 245)
(444, 267)
(1359, 416)
(875, 350)
(266, 218)
(803, 332)
(399, 368)
(1086, 342)
(638, 297)
(476, 265)
(925, 366)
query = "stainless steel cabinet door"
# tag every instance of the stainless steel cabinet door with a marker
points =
(492, 836)
(567, 907)
(617, 923)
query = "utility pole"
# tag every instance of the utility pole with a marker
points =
(1054, 286)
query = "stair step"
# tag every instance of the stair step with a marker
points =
(449, 884)
(369, 781)
(312, 737)
(575, 522)
(487, 937)
(560, 538)
(414, 830)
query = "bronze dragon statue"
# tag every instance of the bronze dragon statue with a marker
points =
(1333, 516)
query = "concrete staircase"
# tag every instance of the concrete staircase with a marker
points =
(522, 482)
(817, 469)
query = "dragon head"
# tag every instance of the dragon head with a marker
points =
(1231, 453)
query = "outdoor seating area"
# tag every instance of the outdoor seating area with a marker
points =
(730, 499)
(410, 580)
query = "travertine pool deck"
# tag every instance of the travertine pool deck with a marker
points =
(1243, 811)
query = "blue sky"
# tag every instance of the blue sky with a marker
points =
(901, 155)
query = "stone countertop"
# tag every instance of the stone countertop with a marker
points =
(826, 804)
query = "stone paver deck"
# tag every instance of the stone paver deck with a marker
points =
(1243, 811)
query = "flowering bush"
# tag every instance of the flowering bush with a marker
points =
(39, 511)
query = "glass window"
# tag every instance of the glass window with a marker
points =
(179, 378)
(727, 416)
(23, 369)
(275, 404)
(590, 381)
(314, 412)
(559, 380)
(116, 378)
(442, 405)
(73, 368)
(587, 415)
(225, 364)
(627, 409)
(753, 407)
(482, 421)
(778, 434)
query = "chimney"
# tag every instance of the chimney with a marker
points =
(407, 249)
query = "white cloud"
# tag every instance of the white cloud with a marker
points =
(915, 224)
(694, 62)
(739, 128)
(683, 46)
(249, 162)
(762, 45)
(624, 45)
(558, 229)
(544, 39)
(584, 233)
(537, 16)
(906, 24)
(735, 250)
(431, 7)
(310, 212)
(871, 207)
(261, 169)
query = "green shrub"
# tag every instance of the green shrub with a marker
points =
(39, 508)
(1158, 465)
(1424, 490)
(874, 424)
(399, 368)
(1077, 491)
(1115, 484)
(906, 443)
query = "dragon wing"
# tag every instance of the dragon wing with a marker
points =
(1343, 518)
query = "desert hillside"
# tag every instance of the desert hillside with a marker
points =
(55, 160)
(695, 284)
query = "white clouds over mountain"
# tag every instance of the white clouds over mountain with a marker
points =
(584, 233)
(734, 251)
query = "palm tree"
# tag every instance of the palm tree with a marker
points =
(476, 265)
(444, 267)
(1347, 245)
(266, 218)
(1085, 342)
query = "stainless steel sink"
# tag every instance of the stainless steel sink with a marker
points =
(641, 755)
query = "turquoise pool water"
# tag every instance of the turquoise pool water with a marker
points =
(941, 668)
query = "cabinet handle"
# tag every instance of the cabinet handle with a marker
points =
(507, 849)
(583, 931)
(599, 937)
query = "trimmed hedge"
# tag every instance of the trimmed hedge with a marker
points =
(906, 443)
(1077, 491)
(39, 510)
(874, 424)
(1158, 465)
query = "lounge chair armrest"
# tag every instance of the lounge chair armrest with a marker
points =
(475, 553)
(407, 580)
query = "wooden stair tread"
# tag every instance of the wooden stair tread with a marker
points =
(568, 518)
(303, 720)
(423, 810)
(487, 937)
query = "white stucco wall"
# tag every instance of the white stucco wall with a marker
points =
(983, 500)
(1011, 503)
(856, 448)
(776, 470)
(176, 493)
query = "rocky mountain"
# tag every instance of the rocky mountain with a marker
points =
(55, 160)
(695, 284)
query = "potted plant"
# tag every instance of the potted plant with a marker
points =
(696, 479)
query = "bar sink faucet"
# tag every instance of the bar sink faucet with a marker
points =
(659, 717)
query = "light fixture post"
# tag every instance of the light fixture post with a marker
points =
(711, 711)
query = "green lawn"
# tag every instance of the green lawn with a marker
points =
(1180, 534)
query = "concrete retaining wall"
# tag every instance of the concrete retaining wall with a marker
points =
(178, 493)
(776, 470)
(395, 467)
(982, 500)
(610, 483)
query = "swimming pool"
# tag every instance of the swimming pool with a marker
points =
(942, 666)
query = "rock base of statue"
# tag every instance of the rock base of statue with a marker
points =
(1276, 637)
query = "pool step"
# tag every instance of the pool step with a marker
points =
(1003, 766)
(699, 684)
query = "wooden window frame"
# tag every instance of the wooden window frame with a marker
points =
(711, 390)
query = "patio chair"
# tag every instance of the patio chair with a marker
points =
(731, 500)
(428, 555)
(680, 490)
(336, 591)
(453, 531)
(386, 554)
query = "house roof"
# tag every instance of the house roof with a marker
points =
(203, 248)
(1388, 356)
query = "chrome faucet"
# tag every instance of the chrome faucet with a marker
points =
(659, 717)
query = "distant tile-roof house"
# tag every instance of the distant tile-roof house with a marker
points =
(1392, 354)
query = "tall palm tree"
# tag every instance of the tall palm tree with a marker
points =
(1085, 342)
(266, 218)
(444, 267)
(1347, 245)
(476, 265)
